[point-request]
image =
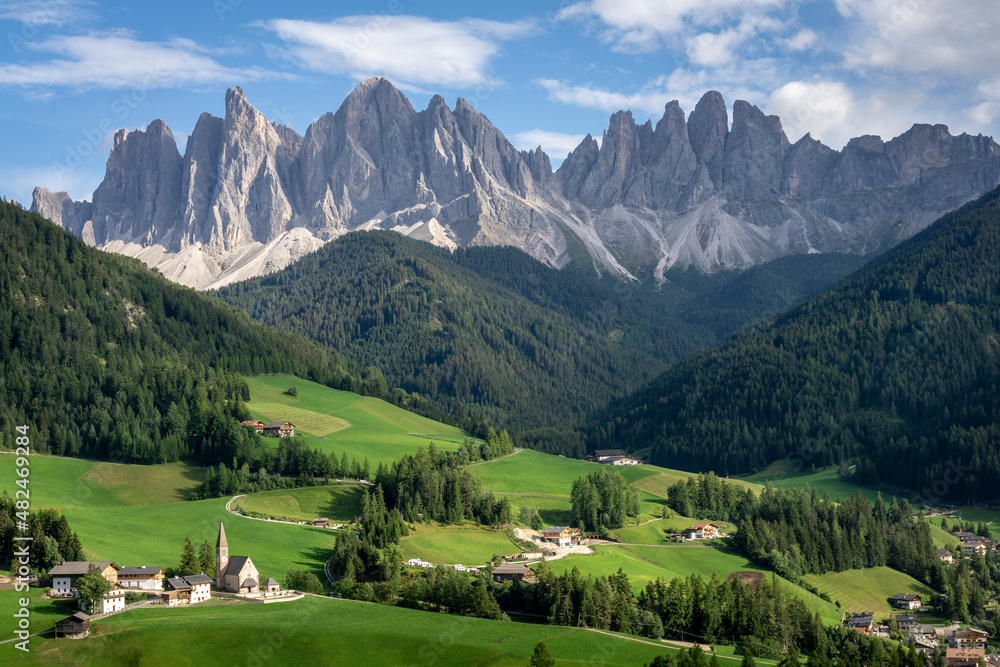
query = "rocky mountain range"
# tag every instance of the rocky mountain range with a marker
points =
(249, 196)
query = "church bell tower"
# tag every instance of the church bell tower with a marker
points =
(221, 558)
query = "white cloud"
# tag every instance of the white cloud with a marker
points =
(411, 50)
(556, 144)
(115, 60)
(802, 41)
(636, 26)
(46, 12)
(750, 80)
(924, 35)
(823, 108)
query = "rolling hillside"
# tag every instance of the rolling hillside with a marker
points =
(104, 358)
(490, 331)
(897, 368)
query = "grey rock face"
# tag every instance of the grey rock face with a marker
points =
(249, 196)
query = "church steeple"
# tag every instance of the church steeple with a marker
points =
(221, 557)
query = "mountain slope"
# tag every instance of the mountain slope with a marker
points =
(104, 358)
(897, 368)
(248, 196)
(484, 330)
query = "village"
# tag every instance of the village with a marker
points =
(237, 578)
(959, 645)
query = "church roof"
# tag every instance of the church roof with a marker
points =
(221, 541)
(250, 582)
(236, 564)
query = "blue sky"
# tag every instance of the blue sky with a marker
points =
(73, 71)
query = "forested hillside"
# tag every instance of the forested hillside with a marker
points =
(490, 331)
(104, 358)
(895, 369)
(483, 330)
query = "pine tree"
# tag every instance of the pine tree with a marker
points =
(206, 559)
(189, 561)
(541, 657)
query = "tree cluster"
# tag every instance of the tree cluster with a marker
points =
(53, 541)
(603, 500)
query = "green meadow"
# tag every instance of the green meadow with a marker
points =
(825, 481)
(337, 502)
(648, 563)
(342, 422)
(655, 532)
(71, 483)
(867, 590)
(154, 535)
(468, 545)
(535, 472)
(988, 515)
(323, 631)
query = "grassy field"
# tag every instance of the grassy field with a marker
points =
(72, 483)
(318, 631)
(824, 481)
(942, 539)
(337, 502)
(656, 532)
(154, 535)
(644, 564)
(339, 421)
(555, 511)
(535, 472)
(867, 590)
(987, 515)
(468, 545)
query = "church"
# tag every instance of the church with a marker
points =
(236, 574)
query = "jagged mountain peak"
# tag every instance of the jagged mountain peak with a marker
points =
(250, 195)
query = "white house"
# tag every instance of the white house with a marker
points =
(563, 536)
(201, 587)
(113, 601)
(65, 574)
(141, 578)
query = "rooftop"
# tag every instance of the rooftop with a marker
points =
(79, 567)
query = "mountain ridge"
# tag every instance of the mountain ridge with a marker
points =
(250, 196)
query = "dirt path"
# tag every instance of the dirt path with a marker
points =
(229, 508)
(505, 456)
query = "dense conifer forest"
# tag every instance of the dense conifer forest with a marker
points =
(104, 358)
(896, 370)
(490, 332)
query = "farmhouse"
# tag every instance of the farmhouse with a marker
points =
(863, 622)
(255, 424)
(65, 574)
(279, 429)
(704, 530)
(563, 536)
(972, 546)
(612, 457)
(968, 638)
(945, 555)
(76, 626)
(112, 602)
(906, 621)
(963, 657)
(513, 571)
(321, 523)
(141, 578)
(235, 574)
(191, 589)
(906, 601)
